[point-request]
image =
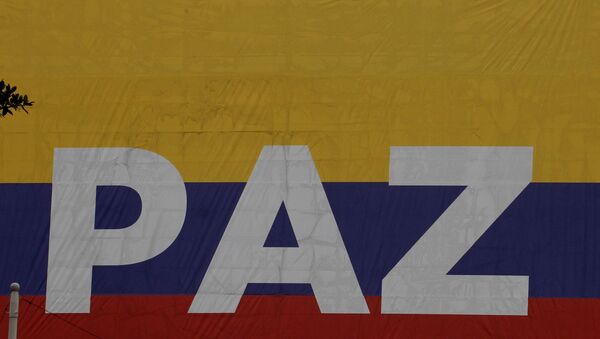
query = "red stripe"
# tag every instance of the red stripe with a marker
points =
(297, 317)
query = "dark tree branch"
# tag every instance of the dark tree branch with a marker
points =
(11, 101)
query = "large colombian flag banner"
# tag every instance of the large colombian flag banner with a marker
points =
(304, 169)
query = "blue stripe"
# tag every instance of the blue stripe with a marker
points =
(551, 233)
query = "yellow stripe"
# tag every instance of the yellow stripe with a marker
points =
(208, 83)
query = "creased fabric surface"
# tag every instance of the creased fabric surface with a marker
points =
(207, 84)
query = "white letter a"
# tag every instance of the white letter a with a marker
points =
(282, 174)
